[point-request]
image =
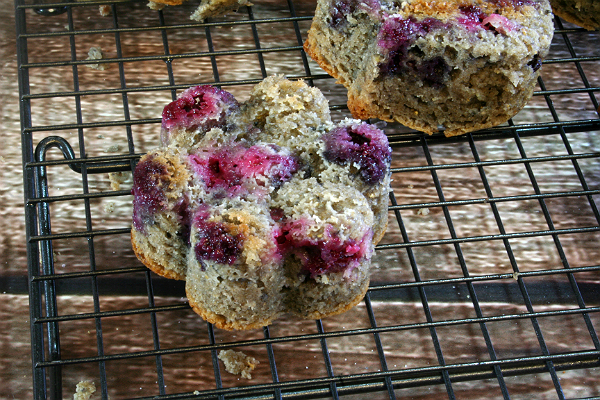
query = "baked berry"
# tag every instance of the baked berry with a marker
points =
(150, 178)
(359, 144)
(328, 254)
(198, 108)
(215, 242)
(236, 169)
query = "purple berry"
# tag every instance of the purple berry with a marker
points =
(340, 9)
(471, 17)
(396, 38)
(215, 242)
(229, 168)
(182, 209)
(319, 256)
(361, 144)
(150, 179)
(277, 214)
(201, 107)
(433, 71)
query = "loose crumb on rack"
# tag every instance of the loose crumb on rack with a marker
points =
(113, 148)
(118, 178)
(423, 211)
(84, 390)
(109, 207)
(104, 10)
(156, 6)
(238, 363)
(96, 53)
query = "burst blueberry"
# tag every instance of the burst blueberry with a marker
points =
(396, 39)
(328, 254)
(215, 242)
(198, 108)
(237, 169)
(362, 144)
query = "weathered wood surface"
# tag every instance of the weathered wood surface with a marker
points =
(355, 354)
(349, 355)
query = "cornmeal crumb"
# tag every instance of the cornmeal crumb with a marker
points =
(84, 390)
(156, 6)
(117, 178)
(104, 10)
(109, 207)
(96, 53)
(238, 363)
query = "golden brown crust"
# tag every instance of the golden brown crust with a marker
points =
(345, 307)
(169, 2)
(220, 321)
(584, 14)
(377, 239)
(310, 47)
(444, 10)
(152, 264)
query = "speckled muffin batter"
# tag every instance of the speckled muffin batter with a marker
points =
(265, 207)
(455, 66)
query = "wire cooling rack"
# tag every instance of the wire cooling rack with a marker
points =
(487, 283)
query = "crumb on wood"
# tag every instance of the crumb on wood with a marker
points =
(84, 390)
(104, 10)
(156, 6)
(113, 148)
(423, 211)
(109, 207)
(238, 363)
(118, 178)
(96, 53)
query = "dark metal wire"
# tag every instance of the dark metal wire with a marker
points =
(45, 285)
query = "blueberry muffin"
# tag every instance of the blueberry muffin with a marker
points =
(265, 207)
(433, 65)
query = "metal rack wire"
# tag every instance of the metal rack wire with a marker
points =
(487, 280)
